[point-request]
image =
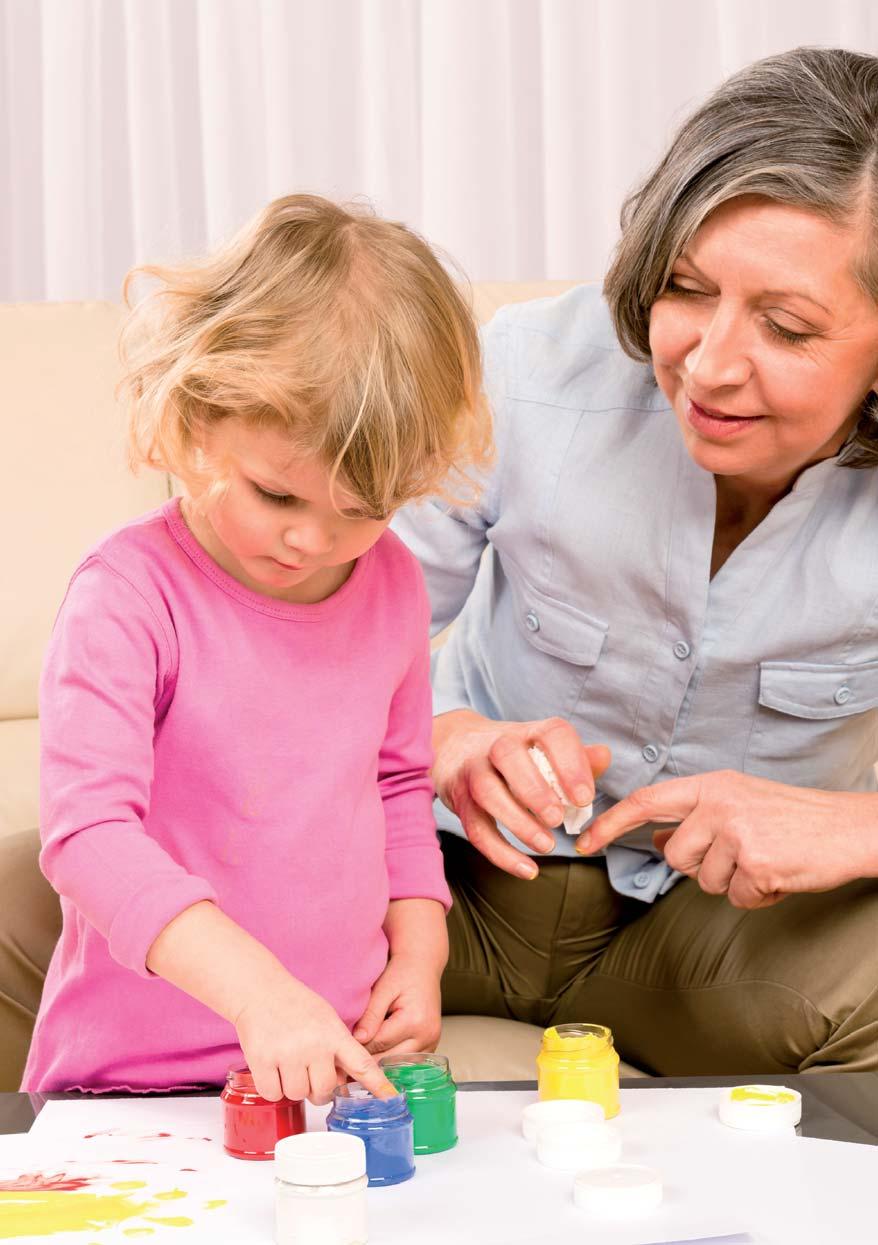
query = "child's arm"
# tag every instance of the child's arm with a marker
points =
(404, 1011)
(294, 1042)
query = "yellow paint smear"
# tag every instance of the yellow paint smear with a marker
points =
(178, 1221)
(45, 1212)
(745, 1093)
(129, 1184)
(171, 1196)
(220, 1201)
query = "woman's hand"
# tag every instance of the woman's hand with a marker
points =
(749, 838)
(295, 1044)
(483, 773)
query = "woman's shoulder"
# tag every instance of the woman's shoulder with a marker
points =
(563, 351)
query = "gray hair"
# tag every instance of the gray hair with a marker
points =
(800, 128)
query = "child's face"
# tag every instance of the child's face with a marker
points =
(275, 529)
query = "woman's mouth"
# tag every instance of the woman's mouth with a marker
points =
(717, 425)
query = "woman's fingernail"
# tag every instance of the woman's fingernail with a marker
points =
(584, 795)
(583, 843)
(360, 1034)
(527, 870)
(554, 814)
(544, 842)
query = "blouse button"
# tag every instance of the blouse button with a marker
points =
(650, 753)
(682, 650)
(531, 621)
(641, 879)
(843, 695)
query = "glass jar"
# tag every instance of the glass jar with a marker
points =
(425, 1079)
(385, 1127)
(580, 1061)
(320, 1190)
(252, 1125)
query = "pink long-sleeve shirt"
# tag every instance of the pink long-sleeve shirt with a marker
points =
(202, 741)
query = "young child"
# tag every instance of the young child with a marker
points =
(235, 706)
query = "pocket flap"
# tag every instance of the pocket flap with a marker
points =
(557, 628)
(806, 690)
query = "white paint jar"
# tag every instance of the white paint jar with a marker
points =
(538, 1115)
(577, 1145)
(320, 1190)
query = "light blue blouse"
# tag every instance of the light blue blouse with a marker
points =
(594, 602)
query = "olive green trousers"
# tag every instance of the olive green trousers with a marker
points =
(689, 985)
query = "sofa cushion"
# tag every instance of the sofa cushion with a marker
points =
(489, 1048)
(19, 771)
(64, 478)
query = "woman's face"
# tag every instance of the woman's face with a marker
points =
(763, 341)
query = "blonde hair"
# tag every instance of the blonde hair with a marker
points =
(800, 128)
(329, 324)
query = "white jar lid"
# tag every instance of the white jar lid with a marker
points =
(760, 1108)
(537, 1115)
(320, 1158)
(617, 1192)
(575, 815)
(575, 1145)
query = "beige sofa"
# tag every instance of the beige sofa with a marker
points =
(64, 482)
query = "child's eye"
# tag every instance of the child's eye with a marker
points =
(276, 499)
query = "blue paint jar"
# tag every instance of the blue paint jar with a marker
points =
(385, 1126)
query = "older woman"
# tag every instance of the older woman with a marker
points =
(681, 570)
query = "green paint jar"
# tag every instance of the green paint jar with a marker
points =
(426, 1081)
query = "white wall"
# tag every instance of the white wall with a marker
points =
(506, 130)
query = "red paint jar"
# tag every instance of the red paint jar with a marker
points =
(252, 1126)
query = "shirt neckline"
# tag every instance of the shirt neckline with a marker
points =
(272, 606)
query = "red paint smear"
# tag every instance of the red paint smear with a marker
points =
(108, 1132)
(137, 1162)
(155, 1136)
(32, 1182)
(188, 1169)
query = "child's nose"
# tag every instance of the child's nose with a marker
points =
(310, 539)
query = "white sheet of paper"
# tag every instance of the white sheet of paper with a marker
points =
(490, 1188)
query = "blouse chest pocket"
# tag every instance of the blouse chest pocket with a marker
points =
(816, 725)
(555, 647)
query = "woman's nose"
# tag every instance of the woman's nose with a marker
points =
(718, 355)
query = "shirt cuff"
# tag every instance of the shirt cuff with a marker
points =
(139, 922)
(416, 872)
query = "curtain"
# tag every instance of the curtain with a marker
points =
(506, 131)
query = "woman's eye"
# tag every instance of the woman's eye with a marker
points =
(276, 499)
(674, 287)
(794, 339)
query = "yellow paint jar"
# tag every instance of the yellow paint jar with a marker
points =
(580, 1061)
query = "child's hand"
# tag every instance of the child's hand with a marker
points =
(404, 1011)
(296, 1045)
